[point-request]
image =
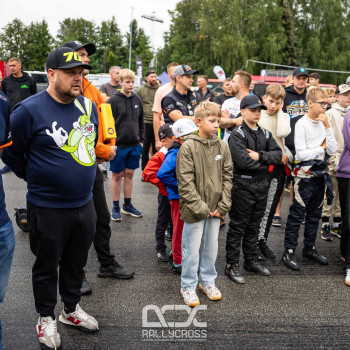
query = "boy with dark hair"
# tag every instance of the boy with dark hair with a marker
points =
(204, 170)
(313, 138)
(253, 150)
(278, 123)
(314, 79)
(167, 175)
(149, 174)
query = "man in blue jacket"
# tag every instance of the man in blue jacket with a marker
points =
(54, 136)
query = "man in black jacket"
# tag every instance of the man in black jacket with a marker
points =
(127, 110)
(295, 102)
(253, 150)
(203, 93)
(18, 85)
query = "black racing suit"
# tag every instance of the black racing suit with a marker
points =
(250, 188)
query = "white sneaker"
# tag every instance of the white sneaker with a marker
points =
(211, 291)
(49, 337)
(190, 297)
(79, 318)
(347, 277)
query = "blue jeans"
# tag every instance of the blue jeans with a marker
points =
(193, 234)
(7, 247)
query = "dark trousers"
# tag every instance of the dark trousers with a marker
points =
(149, 140)
(277, 181)
(344, 198)
(103, 230)
(59, 238)
(307, 202)
(248, 207)
(163, 219)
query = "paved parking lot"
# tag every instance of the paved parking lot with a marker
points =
(308, 309)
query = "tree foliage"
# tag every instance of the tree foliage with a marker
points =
(205, 33)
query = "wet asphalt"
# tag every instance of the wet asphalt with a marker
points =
(307, 309)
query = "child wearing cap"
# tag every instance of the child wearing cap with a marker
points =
(167, 175)
(278, 123)
(313, 138)
(253, 150)
(204, 171)
(336, 117)
(150, 175)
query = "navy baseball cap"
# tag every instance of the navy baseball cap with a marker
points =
(64, 58)
(251, 102)
(76, 45)
(300, 71)
(184, 69)
(165, 131)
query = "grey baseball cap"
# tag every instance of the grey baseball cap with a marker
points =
(184, 69)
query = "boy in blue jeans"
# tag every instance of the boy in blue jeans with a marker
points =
(204, 171)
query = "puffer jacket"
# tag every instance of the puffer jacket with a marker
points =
(204, 173)
(167, 171)
(149, 174)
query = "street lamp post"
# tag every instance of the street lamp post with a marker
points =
(132, 10)
(153, 18)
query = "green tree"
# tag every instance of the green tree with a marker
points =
(38, 45)
(109, 46)
(12, 39)
(140, 46)
(78, 29)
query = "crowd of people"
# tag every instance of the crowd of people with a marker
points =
(296, 136)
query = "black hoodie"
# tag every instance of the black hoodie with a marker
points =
(18, 89)
(296, 106)
(128, 116)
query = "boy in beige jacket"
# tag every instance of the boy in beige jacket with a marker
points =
(204, 174)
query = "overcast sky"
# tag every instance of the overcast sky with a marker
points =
(54, 12)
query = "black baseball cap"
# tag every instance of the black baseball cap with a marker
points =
(184, 69)
(300, 71)
(150, 71)
(64, 58)
(76, 45)
(165, 131)
(251, 102)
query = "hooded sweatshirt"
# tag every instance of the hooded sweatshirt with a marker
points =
(336, 117)
(128, 116)
(204, 173)
(296, 106)
(18, 89)
(343, 168)
(147, 93)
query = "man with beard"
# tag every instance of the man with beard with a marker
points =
(230, 109)
(147, 92)
(54, 136)
(104, 151)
